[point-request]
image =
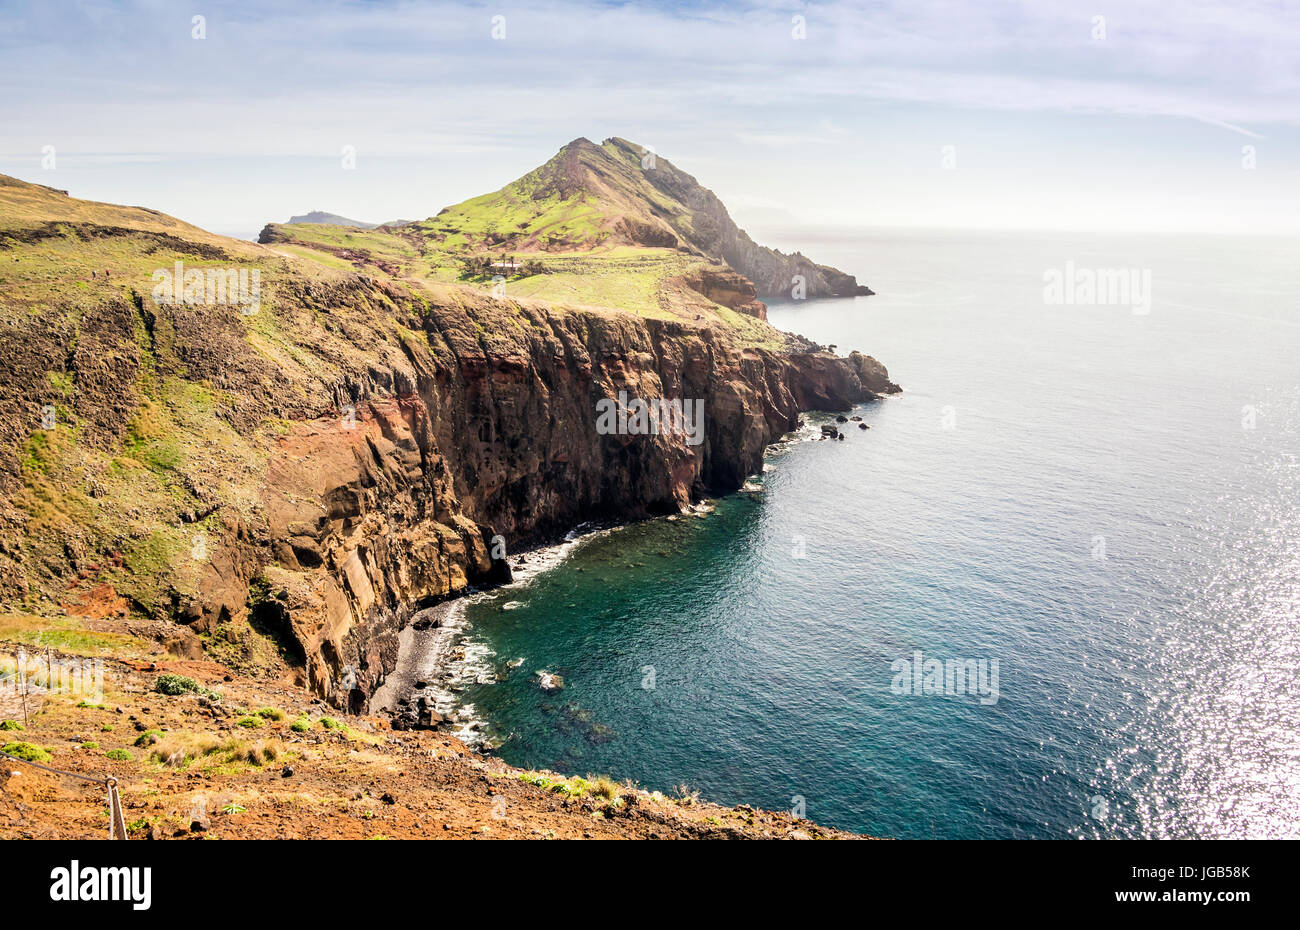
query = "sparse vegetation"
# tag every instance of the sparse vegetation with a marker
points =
(686, 796)
(29, 751)
(183, 750)
(600, 788)
(141, 824)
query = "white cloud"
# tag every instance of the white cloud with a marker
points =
(417, 80)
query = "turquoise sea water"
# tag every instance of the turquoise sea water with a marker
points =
(1107, 503)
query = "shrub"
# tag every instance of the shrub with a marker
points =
(602, 786)
(174, 685)
(301, 725)
(11, 725)
(251, 723)
(118, 755)
(271, 713)
(330, 723)
(29, 751)
(90, 745)
(148, 738)
(106, 728)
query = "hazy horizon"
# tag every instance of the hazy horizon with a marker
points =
(883, 115)
(785, 236)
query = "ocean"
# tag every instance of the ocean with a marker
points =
(1102, 498)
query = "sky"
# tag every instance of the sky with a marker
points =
(1121, 116)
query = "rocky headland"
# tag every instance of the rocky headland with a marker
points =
(281, 485)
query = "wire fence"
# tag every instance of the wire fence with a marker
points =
(116, 821)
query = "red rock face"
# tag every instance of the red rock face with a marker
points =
(501, 439)
(473, 418)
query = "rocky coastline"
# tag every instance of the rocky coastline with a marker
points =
(315, 474)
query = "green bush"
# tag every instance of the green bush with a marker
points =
(271, 713)
(148, 738)
(301, 725)
(29, 751)
(330, 723)
(250, 723)
(90, 745)
(11, 725)
(176, 684)
(118, 755)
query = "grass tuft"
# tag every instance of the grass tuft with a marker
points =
(29, 751)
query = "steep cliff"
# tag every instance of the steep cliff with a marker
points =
(283, 482)
(702, 220)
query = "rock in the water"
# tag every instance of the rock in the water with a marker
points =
(549, 681)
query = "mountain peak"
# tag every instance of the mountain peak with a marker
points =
(620, 193)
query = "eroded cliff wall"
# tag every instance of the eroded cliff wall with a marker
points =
(467, 438)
